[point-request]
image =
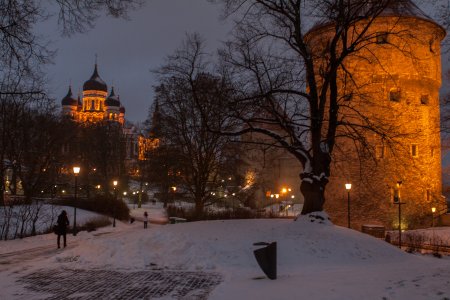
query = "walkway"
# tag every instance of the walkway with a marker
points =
(113, 284)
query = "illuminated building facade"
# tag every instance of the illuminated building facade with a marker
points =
(96, 105)
(395, 82)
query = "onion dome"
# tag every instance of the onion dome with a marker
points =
(95, 83)
(112, 99)
(122, 109)
(68, 100)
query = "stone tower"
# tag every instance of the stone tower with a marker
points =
(395, 84)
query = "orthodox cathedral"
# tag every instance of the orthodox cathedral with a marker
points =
(95, 104)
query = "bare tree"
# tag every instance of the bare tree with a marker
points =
(191, 102)
(295, 88)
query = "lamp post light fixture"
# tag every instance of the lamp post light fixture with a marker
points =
(433, 241)
(76, 171)
(398, 201)
(115, 182)
(348, 187)
(433, 210)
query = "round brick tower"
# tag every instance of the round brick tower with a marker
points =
(394, 83)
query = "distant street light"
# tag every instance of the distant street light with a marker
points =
(76, 171)
(115, 200)
(348, 187)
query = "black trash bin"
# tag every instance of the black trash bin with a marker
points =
(267, 258)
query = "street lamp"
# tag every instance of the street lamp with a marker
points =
(433, 210)
(114, 205)
(348, 187)
(398, 201)
(76, 171)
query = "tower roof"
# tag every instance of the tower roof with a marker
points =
(394, 8)
(112, 99)
(95, 82)
(69, 100)
(404, 8)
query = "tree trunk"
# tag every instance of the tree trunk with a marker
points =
(314, 195)
(199, 206)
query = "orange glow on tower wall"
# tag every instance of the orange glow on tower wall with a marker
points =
(395, 84)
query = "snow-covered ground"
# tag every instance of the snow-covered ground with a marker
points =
(316, 260)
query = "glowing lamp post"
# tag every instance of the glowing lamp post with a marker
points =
(433, 210)
(76, 171)
(398, 201)
(348, 187)
(115, 182)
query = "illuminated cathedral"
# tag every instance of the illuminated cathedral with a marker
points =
(95, 104)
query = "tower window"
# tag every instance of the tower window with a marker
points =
(348, 97)
(379, 152)
(377, 78)
(424, 99)
(382, 38)
(414, 150)
(395, 94)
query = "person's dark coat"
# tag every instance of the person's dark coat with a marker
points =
(62, 222)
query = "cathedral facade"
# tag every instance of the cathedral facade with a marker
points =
(95, 104)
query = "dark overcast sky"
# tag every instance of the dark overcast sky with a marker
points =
(129, 49)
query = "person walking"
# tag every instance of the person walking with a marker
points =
(62, 224)
(145, 219)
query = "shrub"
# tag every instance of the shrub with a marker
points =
(239, 213)
(102, 204)
(95, 223)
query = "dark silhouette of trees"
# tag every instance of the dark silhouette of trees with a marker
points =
(190, 100)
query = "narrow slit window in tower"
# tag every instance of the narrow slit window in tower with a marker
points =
(379, 152)
(414, 150)
(424, 99)
(382, 38)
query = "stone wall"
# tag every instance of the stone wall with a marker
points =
(395, 84)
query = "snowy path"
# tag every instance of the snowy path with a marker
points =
(115, 284)
(42, 252)
(35, 280)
